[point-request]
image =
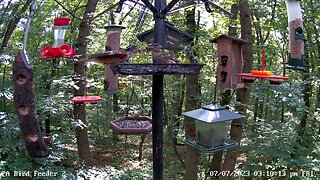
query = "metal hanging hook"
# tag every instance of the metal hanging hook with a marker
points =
(26, 30)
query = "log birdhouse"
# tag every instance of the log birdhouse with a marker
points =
(25, 106)
(230, 61)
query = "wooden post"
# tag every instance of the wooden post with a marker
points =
(25, 106)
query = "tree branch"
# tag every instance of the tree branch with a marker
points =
(63, 7)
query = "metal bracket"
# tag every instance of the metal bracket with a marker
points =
(150, 6)
(120, 5)
(208, 4)
(169, 6)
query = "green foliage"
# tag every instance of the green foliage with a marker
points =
(268, 143)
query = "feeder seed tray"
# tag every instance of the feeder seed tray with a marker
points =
(86, 99)
(132, 125)
(108, 57)
(156, 69)
(202, 149)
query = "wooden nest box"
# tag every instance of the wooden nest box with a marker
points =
(230, 61)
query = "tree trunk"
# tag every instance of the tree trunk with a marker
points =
(79, 109)
(242, 94)
(12, 25)
(216, 161)
(192, 92)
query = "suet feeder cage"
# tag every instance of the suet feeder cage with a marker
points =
(58, 49)
(174, 37)
(212, 124)
(230, 61)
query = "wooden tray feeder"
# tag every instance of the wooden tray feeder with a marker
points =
(108, 57)
(132, 125)
(156, 69)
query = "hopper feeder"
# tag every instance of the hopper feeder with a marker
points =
(212, 126)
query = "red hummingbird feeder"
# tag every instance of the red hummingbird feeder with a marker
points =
(263, 74)
(58, 49)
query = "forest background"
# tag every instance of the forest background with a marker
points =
(281, 131)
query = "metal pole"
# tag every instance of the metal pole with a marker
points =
(157, 98)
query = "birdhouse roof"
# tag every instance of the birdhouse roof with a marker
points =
(215, 40)
(171, 29)
(213, 114)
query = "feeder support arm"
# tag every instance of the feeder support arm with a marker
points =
(169, 6)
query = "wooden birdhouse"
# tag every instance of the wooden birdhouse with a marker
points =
(230, 61)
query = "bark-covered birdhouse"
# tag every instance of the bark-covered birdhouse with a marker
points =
(212, 124)
(230, 61)
(174, 37)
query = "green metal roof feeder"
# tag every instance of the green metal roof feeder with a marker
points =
(212, 126)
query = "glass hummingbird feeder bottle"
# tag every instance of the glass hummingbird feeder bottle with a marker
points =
(59, 31)
(59, 48)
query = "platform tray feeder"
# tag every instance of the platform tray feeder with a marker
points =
(156, 69)
(212, 124)
(132, 125)
(86, 99)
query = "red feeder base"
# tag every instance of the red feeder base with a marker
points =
(250, 75)
(86, 99)
(63, 51)
(47, 139)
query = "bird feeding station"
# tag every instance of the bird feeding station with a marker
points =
(263, 74)
(175, 37)
(212, 124)
(230, 61)
(296, 37)
(162, 63)
(58, 49)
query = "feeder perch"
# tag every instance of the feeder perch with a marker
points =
(58, 49)
(230, 61)
(174, 39)
(132, 125)
(212, 125)
(263, 74)
(86, 99)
